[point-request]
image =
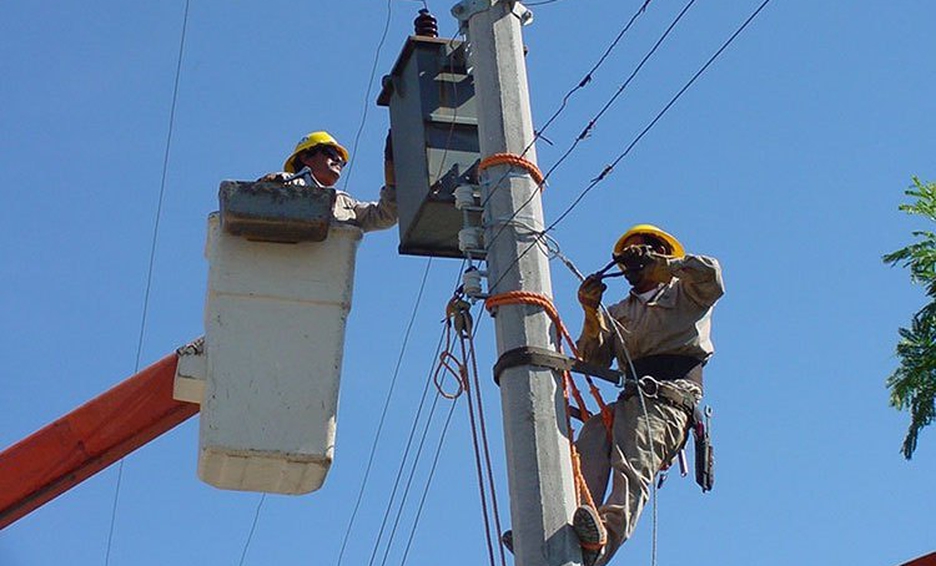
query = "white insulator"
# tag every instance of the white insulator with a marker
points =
(469, 239)
(464, 196)
(471, 280)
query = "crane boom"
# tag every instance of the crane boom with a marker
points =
(78, 445)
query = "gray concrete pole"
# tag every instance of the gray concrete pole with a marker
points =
(542, 497)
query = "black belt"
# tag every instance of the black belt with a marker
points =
(667, 367)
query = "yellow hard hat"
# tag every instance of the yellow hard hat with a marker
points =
(650, 230)
(308, 142)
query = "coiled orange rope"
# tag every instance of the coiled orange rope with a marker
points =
(516, 161)
(529, 298)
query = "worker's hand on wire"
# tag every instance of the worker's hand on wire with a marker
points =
(590, 291)
(389, 173)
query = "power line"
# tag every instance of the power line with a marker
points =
(591, 124)
(409, 442)
(383, 414)
(152, 259)
(565, 99)
(367, 95)
(253, 527)
(608, 168)
(422, 500)
(588, 76)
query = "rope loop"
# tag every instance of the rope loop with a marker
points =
(514, 160)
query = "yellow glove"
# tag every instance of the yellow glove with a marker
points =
(591, 291)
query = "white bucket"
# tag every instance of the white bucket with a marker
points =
(274, 337)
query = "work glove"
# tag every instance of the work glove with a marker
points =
(590, 292)
(389, 174)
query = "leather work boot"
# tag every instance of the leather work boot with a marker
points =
(591, 533)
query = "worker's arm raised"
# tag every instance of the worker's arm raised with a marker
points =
(700, 276)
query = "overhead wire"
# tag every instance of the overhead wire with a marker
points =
(383, 414)
(588, 76)
(431, 475)
(152, 258)
(253, 528)
(403, 461)
(403, 464)
(608, 168)
(367, 95)
(565, 99)
(591, 124)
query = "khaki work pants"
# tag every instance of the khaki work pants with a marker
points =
(629, 459)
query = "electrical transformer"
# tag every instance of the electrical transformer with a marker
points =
(434, 125)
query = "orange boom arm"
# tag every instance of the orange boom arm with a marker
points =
(73, 448)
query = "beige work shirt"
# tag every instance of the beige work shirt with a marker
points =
(368, 216)
(677, 319)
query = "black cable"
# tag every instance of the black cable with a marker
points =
(588, 76)
(409, 480)
(383, 414)
(432, 470)
(152, 260)
(565, 100)
(403, 459)
(608, 168)
(253, 527)
(367, 95)
(591, 124)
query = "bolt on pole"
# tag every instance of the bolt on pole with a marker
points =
(542, 492)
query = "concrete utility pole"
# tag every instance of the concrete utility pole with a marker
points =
(542, 497)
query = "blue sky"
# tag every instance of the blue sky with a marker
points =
(786, 160)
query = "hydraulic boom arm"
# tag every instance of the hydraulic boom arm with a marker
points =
(73, 448)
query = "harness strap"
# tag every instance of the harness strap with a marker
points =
(655, 389)
(533, 356)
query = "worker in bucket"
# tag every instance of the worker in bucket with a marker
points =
(660, 336)
(318, 161)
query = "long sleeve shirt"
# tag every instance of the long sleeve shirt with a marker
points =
(368, 216)
(675, 319)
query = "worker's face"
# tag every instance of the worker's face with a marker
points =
(326, 164)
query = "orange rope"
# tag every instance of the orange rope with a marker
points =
(526, 297)
(536, 299)
(516, 161)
